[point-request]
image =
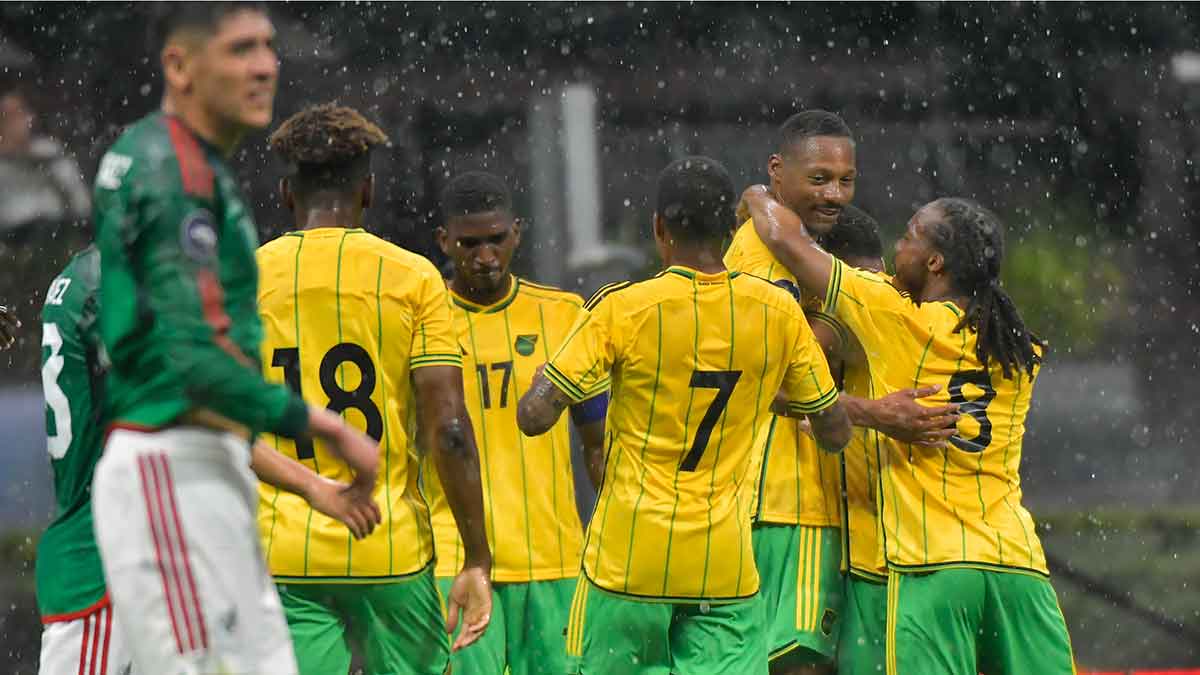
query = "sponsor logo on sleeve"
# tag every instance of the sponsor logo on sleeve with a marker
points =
(112, 170)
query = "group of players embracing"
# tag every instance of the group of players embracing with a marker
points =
(265, 456)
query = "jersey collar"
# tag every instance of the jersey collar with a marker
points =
(690, 273)
(497, 306)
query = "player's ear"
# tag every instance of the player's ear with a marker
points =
(368, 191)
(774, 165)
(660, 229)
(517, 226)
(285, 194)
(176, 65)
(936, 263)
(443, 239)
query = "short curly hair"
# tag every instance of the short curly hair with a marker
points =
(327, 146)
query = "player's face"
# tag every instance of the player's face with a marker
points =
(481, 245)
(16, 121)
(815, 178)
(236, 70)
(915, 253)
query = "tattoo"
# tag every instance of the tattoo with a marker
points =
(541, 406)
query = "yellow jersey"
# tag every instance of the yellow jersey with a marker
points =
(347, 316)
(800, 484)
(696, 360)
(959, 506)
(528, 487)
(862, 549)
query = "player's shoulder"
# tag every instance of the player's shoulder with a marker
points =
(392, 255)
(545, 293)
(75, 284)
(623, 292)
(780, 294)
(160, 156)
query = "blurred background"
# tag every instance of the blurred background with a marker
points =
(1078, 123)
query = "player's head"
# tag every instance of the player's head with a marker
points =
(960, 244)
(16, 118)
(855, 240)
(813, 170)
(328, 151)
(479, 232)
(695, 205)
(219, 64)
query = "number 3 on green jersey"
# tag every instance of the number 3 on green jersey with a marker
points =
(58, 418)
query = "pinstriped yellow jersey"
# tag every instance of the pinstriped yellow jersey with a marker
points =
(695, 360)
(862, 548)
(960, 506)
(799, 483)
(347, 317)
(528, 489)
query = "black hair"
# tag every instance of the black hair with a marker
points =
(696, 199)
(475, 192)
(811, 123)
(327, 146)
(172, 17)
(971, 238)
(856, 235)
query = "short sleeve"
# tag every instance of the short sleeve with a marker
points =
(808, 384)
(866, 303)
(582, 364)
(434, 340)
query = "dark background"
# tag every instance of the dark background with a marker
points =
(1076, 122)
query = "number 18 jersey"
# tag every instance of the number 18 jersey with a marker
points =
(696, 360)
(347, 316)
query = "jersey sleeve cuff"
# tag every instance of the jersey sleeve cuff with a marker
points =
(425, 360)
(815, 406)
(834, 288)
(842, 335)
(573, 391)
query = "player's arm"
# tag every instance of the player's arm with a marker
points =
(445, 429)
(352, 505)
(541, 406)
(784, 234)
(588, 418)
(811, 392)
(8, 327)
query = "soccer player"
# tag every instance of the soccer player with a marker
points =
(797, 537)
(696, 354)
(173, 494)
(507, 327)
(363, 327)
(80, 634)
(968, 589)
(9, 325)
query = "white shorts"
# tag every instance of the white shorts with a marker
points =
(175, 520)
(86, 645)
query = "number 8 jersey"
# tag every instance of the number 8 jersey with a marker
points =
(346, 317)
(696, 360)
(953, 507)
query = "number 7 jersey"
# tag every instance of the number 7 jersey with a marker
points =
(696, 360)
(347, 316)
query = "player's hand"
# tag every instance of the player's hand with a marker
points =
(351, 505)
(900, 416)
(470, 603)
(8, 327)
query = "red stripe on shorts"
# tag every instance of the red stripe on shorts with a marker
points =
(87, 623)
(169, 537)
(187, 563)
(95, 647)
(107, 636)
(158, 555)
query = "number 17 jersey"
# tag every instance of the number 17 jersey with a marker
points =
(347, 316)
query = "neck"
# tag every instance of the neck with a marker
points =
(328, 213)
(216, 132)
(700, 257)
(939, 290)
(481, 296)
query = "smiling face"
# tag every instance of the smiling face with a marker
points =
(232, 73)
(481, 246)
(815, 177)
(916, 257)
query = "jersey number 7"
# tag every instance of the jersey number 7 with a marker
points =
(723, 381)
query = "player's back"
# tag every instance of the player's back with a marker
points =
(961, 504)
(347, 316)
(72, 375)
(697, 360)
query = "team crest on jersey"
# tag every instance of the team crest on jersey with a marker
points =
(198, 236)
(525, 344)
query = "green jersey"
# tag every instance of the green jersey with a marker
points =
(69, 576)
(178, 286)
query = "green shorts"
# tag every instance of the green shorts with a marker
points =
(527, 633)
(610, 633)
(862, 642)
(400, 627)
(964, 621)
(802, 587)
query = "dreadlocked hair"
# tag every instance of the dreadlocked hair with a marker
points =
(329, 146)
(971, 238)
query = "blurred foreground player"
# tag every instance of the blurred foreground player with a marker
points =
(174, 497)
(696, 355)
(363, 327)
(507, 327)
(968, 588)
